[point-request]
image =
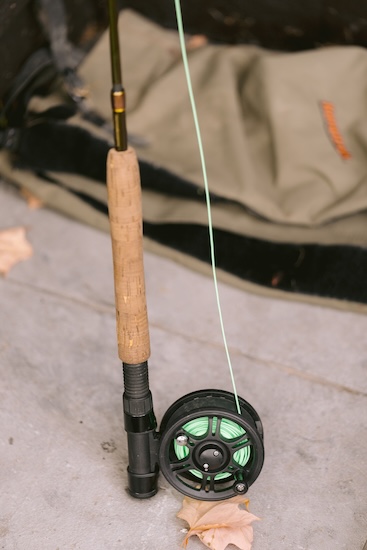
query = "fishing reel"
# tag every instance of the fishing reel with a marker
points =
(208, 450)
(204, 448)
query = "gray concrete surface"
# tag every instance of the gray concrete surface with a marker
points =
(63, 452)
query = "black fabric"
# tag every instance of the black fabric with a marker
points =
(37, 73)
(328, 271)
(58, 147)
(52, 145)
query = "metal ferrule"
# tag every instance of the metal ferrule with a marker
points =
(118, 100)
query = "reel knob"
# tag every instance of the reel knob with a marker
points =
(208, 451)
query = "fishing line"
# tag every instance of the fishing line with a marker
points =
(206, 188)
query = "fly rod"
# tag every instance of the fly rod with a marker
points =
(208, 447)
(125, 215)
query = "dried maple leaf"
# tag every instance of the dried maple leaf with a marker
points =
(14, 248)
(218, 524)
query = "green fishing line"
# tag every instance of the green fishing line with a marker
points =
(206, 187)
(229, 432)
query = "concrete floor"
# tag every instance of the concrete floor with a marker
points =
(63, 453)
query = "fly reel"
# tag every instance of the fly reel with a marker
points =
(207, 450)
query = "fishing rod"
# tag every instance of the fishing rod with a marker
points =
(210, 442)
(125, 216)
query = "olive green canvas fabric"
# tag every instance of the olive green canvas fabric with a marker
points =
(266, 139)
(285, 139)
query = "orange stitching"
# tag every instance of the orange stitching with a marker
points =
(336, 138)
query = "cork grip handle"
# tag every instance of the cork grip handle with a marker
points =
(125, 213)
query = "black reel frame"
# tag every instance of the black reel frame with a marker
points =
(210, 455)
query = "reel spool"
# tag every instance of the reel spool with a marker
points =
(207, 450)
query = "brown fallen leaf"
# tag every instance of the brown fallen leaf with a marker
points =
(218, 524)
(14, 248)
